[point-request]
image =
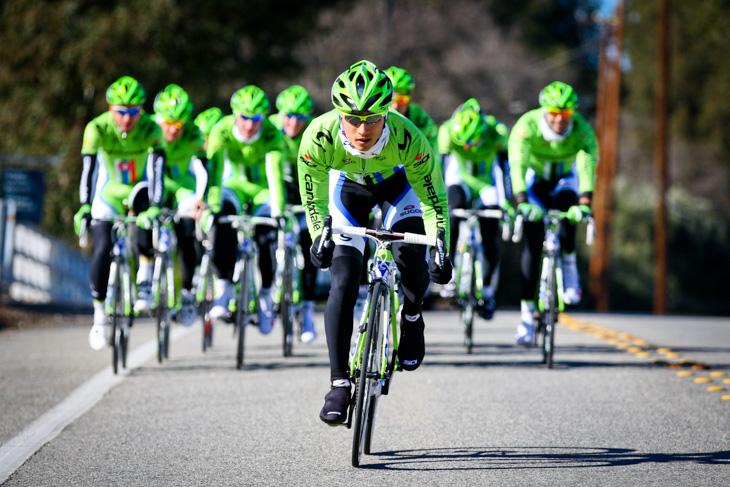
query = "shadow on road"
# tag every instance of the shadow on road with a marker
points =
(489, 458)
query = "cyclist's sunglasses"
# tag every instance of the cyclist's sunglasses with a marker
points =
(131, 111)
(254, 119)
(565, 112)
(356, 120)
(298, 116)
(178, 124)
(402, 99)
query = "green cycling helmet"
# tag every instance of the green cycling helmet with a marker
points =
(295, 99)
(126, 91)
(467, 123)
(173, 104)
(403, 82)
(362, 88)
(558, 95)
(207, 118)
(250, 101)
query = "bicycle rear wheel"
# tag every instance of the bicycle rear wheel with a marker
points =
(205, 301)
(550, 315)
(369, 376)
(242, 304)
(287, 306)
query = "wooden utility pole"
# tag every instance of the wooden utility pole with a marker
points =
(607, 125)
(660, 160)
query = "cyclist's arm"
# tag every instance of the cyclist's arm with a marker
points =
(503, 162)
(200, 172)
(424, 175)
(275, 178)
(587, 159)
(313, 170)
(216, 161)
(157, 187)
(90, 147)
(518, 150)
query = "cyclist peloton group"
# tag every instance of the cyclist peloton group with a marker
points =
(375, 149)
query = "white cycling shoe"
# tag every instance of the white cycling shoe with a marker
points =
(144, 297)
(223, 296)
(266, 311)
(572, 293)
(308, 333)
(525, 335)
(101, 331)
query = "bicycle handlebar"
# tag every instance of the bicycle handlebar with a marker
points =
(386, 236)
(559, 215)
(238, 221)
(481, 213)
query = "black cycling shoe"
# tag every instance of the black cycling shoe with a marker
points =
(486, 308)
(412, 346)
(336, 403)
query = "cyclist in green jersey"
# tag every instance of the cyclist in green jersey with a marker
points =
(352, 158)
(123, 158)
(186, 180)
(553, 153)
(403, 86)
(206, 120)
(473, 148)
(245, 158)
(295, 108)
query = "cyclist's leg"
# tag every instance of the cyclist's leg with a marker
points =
(309, 283)
(533, 235)
(401, 210)
(565, 196)
(189, 256)
(489, 229)
(265, 237)
(139, 201)
(224, 256)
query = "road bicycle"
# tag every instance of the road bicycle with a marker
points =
(244, 304)
(374, 357)
(121, 290)
(469, 275)
(288, 277)
(550, 287)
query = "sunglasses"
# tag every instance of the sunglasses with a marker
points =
(356, 120)
(565, 112)
(298, 116)
(131, 111)
(254, 119)
(402, 99)
(176, 123)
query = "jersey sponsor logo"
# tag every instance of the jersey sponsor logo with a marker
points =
(307, 160)
(347, 161)
(409, 207)
(410, 210)
(310, 207)
(420, 159)
(434, 199)
(344, 238)
(127, 171)
(323, 135)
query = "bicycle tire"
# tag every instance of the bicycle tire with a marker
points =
(161, 298)
(206, 302)
(117, 308)
(467, 306)
(242, 304)
(368, 376)
(551, 315)
(287, 306)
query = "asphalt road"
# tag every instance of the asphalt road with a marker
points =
(621, 407)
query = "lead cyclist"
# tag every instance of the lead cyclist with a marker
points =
(359, 155)
(122, 152)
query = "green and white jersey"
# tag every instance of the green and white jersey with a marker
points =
(322, 150)
(184, 174)
(291, 152)
(424, 123)
(552, 160)
(475, 165)
(122, 159)
(253, 170)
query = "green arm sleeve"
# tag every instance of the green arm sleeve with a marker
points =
(216, 159)
(586, 161)
(275, 177)
(313, 183)
(518, 149)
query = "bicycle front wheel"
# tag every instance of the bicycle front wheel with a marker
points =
(287, 306)
(242, 311)
(117, 310)
(204, 297)
(550, 315)
(467, 299)
(163, 324)
(369, 377)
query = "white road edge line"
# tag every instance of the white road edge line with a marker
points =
(19, 449)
